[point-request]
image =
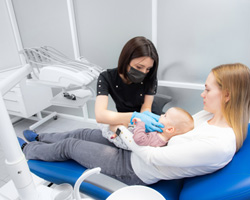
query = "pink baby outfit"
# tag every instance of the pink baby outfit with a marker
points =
(147, 139)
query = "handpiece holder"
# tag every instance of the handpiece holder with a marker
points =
(82, 178)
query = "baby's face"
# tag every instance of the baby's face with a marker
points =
(168, 117)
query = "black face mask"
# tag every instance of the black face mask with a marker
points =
(135, 76)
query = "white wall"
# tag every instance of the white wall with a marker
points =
(44, 23)
(105, 26)
(193, 35)
(197, 35)
(8, 51)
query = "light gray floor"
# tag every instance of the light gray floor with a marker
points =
(59, 125)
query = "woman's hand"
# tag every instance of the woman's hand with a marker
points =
(151, 124)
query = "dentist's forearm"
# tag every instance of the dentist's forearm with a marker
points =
(113, 118)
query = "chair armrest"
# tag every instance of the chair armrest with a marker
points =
(160, 100)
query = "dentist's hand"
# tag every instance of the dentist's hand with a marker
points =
(154, 116)
(150, 123)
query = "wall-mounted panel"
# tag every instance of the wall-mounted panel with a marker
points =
(44, 22)
(105, 26)
(194, 36)
(8, 52)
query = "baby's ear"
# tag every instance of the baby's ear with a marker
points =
(170, 129)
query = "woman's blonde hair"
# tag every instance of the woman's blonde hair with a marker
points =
(234, 82)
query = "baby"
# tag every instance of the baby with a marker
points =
(176, 121)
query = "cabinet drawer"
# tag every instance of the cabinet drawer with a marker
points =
(16, 113)
(13, 105)
(13, 95)
(25, 100)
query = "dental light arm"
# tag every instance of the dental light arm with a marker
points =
(14, 79)
(15, 159)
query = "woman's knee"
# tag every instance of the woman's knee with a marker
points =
(68, 142)
(68, 146)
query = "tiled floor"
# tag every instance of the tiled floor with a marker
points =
(59, 125)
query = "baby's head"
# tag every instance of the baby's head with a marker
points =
(176, 121)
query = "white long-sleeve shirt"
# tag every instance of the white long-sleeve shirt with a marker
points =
(203, 150)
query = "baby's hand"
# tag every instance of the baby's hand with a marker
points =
(113, 136)
(135, 120)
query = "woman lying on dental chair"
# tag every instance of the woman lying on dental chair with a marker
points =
(205, 149)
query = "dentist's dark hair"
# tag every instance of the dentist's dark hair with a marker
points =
(135, 48)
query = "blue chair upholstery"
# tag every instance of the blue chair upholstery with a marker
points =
(231, 182)
(66, 172)
(69, 171)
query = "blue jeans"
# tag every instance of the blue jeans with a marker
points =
(88, 148)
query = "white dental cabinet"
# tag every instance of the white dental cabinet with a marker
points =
(25, 100)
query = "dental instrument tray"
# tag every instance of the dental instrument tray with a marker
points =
(52, 67)
(76, 99)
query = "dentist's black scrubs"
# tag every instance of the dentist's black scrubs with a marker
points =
(127, 97)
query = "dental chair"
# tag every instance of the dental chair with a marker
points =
(160, 100)
(232, 182)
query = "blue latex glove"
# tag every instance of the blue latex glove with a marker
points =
(154, 116)
(150, 123)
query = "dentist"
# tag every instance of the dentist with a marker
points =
(132, 86)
